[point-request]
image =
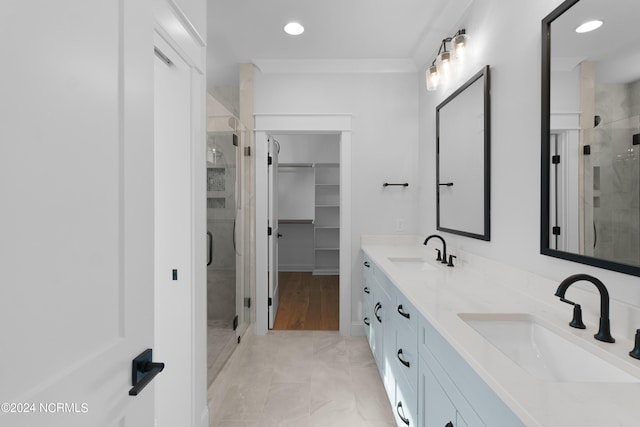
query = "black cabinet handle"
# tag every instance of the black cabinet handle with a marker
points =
(143, 370)
(366, 264)
(403, 313)
(375, 311)
(366, 321)
(404, 362)
(449, 424)
(366, 290)
(402, 417)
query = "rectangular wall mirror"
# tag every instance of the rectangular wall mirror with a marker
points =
(590, 134)
(463, 159)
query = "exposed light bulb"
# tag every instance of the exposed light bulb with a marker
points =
(433, 78)
(459, 44)
(444, 65)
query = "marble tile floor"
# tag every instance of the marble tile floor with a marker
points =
(220, 346)
(302, 379)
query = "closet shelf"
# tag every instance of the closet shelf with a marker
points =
(295, 221)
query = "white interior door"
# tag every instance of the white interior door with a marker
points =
(273, 225)
(76, 184)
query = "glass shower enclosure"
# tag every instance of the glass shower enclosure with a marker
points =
(228, 264)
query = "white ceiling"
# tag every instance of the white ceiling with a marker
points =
(614, 46)
(241, 31)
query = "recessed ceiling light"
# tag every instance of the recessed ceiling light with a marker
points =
(589, 26)
(294, 29)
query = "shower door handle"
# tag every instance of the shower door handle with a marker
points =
(210, 251)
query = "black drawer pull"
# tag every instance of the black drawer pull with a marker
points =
(404, 362)
(403, 313)
(366, 290)
(366, 321)
(375, 311)
(366, 264)
(402, 417)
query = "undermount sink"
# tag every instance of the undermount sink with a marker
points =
(542, 352)
(412, 264)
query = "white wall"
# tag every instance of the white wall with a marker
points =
(507, 35)
(384, 107)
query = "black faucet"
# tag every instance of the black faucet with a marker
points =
(444, 248)
(604, 333)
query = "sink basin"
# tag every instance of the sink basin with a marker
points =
(412, 264)
(542, 352)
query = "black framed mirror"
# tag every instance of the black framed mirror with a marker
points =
(463, 140)
(590, 131)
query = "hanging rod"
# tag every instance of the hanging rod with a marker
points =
(404, 184)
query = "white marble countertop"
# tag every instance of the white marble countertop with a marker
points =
(478, 285)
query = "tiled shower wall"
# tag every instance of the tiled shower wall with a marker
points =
(617, 173)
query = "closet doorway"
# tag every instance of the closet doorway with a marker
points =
(321, 125)
(305, 186)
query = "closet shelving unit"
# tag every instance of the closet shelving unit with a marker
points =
(315, 201)
(327, 218)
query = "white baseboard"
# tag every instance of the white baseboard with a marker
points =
(295, 267)
(204, 417)
(358, 329)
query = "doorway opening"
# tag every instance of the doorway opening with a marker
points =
(304, 214)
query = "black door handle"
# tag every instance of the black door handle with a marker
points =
(210, 256)
(279, 235)
(366, 264)
(366, 321)
(366, 290)
(143, 370)
(375, 311)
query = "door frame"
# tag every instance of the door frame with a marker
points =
(267, 124)
(173, 26)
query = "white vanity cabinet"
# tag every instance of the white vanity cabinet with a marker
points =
(376, 305)
(428, 383)
(450, 391)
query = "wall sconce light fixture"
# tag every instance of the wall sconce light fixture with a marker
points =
(444, 62)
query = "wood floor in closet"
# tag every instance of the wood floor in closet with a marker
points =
(308, 302)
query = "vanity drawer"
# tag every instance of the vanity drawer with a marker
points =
(405, 356)
(405, 314)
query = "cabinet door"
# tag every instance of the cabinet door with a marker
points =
(367, 311)
(435, 407)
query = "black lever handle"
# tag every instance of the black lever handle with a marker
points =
(143, 370)
(210, 256)
(446, 184)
